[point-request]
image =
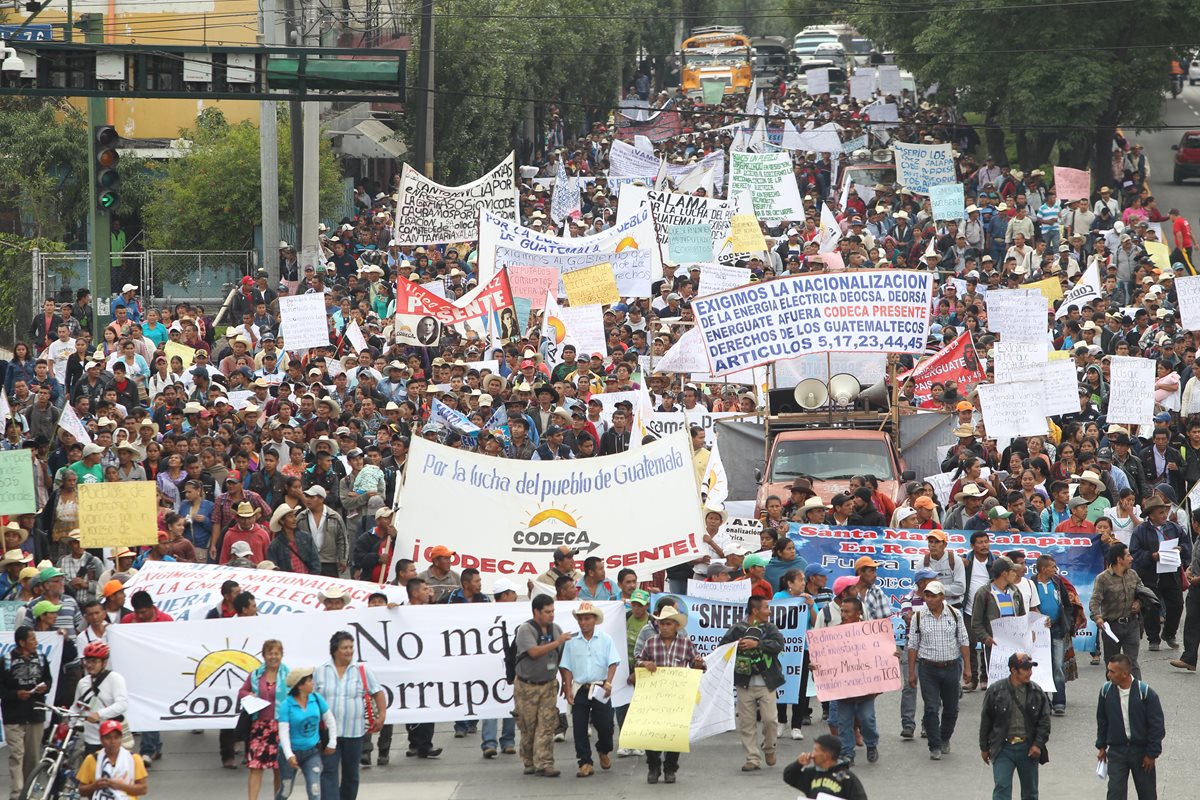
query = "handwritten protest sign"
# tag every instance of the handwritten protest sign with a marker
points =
(747, 235)
(1072, 184)
(811, 314)
(690, 244)
(584, 327)
(186, 354)
(16, 483)
(532, 283)
(121, 514)
(717, 278)
(922, 166)
(428, 212)
(1187, 287)
(1017, 360)
(1131, 391)
(857, 143)
(1012, 409)
(594, 285)
(303, 321)
(627, 161)
(725, 591)
(771, 182)
(1017, 314)
(1159, 253)
(948, 201)
(1024, 634)
(1051, 288)
(853, 660)
(660, 716)
(862, 86)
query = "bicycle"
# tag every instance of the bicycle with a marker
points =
(54, 778)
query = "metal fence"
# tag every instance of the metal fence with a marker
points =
(162, 276)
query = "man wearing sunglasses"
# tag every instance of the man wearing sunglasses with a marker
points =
(1014, 729)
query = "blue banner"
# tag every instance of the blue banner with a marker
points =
(709, 620)
(1080, 559)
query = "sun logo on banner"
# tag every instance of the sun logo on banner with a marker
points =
(551, 528)
(564, 517)
(560, 330)
(627, 243)
(215, 682)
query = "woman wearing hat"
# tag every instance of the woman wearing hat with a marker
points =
(267, 682)
(670, 646)
(292, 550)
(300, 717)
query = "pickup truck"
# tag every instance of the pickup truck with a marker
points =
(830, 457)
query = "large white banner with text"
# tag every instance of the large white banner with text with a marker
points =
(430, 213)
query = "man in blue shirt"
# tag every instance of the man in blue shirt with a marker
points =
(593, 585)
(1054, 604)
(589, 664)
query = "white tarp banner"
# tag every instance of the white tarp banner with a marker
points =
(627, 161)
(429, 213)
(920, 166)
(303, 321)
(436, 663)
(534, 507)
(633, 269)
(189, 591)
(1131, 391)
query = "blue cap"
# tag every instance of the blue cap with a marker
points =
(1164, 416)
(620, 307)
(816, 569)
(924, 573)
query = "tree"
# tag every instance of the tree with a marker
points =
(210, 199)
(43, 174)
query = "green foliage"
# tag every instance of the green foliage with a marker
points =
(43, 174)
(210, 198)
(16, 276)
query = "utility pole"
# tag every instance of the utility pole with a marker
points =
(425, 82)
(99, 219)
(311, 153)
(268, 156)
(297, 136)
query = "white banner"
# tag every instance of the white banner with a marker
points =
(920, 166)
(671, 208)
(724, 591)
(865, 312)
(429, 213)
(1018, 315)
(534, 507)
(436, 663)
(635, 232)
(633, 269)
(771, 182)
(1131, 391)
(585, 328)
(49, 645)
(303, 321)
(716, 278)
(189, 591)
(665, 423)
(565, 201)
(714, 163)
(686, 355)
(627, 161)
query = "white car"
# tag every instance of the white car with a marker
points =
(830, 51)
(1193, 75)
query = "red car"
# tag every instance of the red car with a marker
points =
(1187, 157)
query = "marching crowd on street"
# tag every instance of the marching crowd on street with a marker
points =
(298, 474)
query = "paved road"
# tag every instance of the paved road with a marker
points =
(191, 766)
(1181, 111)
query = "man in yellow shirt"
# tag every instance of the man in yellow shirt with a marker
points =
(112, 768)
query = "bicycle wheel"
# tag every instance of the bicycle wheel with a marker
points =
(40, 784)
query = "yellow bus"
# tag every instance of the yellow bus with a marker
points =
(716, 53)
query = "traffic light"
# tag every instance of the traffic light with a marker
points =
(106, 166)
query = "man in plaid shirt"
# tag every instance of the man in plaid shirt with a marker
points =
(82, 570)
(670, 647)
(876, 604)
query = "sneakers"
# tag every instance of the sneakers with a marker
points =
(946, 749)
(489, 752)
(1059, 711)
(605, 761)
(750, 766)
(970, 686)
(872, 755)
(1095, 659)
(624, 752)
(434, 753)
(460, 734)
(797, 735)
(907, 734)
(1171, 642)
(935, 755)
(585, 771)
(781, 730)
(558, 737)
(1155, 647)
(1179, 663)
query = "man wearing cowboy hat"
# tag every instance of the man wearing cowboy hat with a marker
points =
(246, 529)
(292, 550)
(967, 505)
(966, 448)
(670, 646)
(589, 664)
(1146, 545)
(1090, 486)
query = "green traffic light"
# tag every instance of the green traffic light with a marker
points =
(107, 199)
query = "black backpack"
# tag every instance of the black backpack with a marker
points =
(510, 654)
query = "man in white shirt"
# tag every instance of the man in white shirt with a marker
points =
(58, 351)
(1026, 586)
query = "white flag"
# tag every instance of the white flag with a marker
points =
(716, 711)
(564, 204)
(715, 486)
(1085, 289)
(554, 331)
(831, 232)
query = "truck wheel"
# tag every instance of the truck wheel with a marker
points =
(1177, 178)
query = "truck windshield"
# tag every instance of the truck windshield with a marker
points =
(831, 459)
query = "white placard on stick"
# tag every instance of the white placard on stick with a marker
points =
(303, 321)
(1131, 391)
(1012, 409)
(1188, 290)
(1018, 315)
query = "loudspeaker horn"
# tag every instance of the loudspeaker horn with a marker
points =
(877, 394)
(810, 394)
(844, 389)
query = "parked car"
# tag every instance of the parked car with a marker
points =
(1187, 157)
(832, 52)
(860, 51)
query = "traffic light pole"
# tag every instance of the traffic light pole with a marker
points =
(99, 219)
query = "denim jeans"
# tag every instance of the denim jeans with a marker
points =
(339, 776)
(1058, 650)
(939, 691)
(908, 698)
(1014, 757)
(310, 764)
(151, 743)
(508, 733)
(856, 708)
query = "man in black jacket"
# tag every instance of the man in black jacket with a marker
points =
(1014, 728)
(823, 771)
(757, 673)
(1132, 753)
(25, 681)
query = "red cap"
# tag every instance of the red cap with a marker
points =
(527, 363)
(108, 726)
(233, 475)
(247, 280)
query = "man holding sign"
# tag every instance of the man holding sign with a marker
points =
(670, 647)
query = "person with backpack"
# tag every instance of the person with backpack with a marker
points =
(937, 656)
(757, 674)
(949, 566)
(102, 692)
(537, 652)
(594, 585)
(1130, 728)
